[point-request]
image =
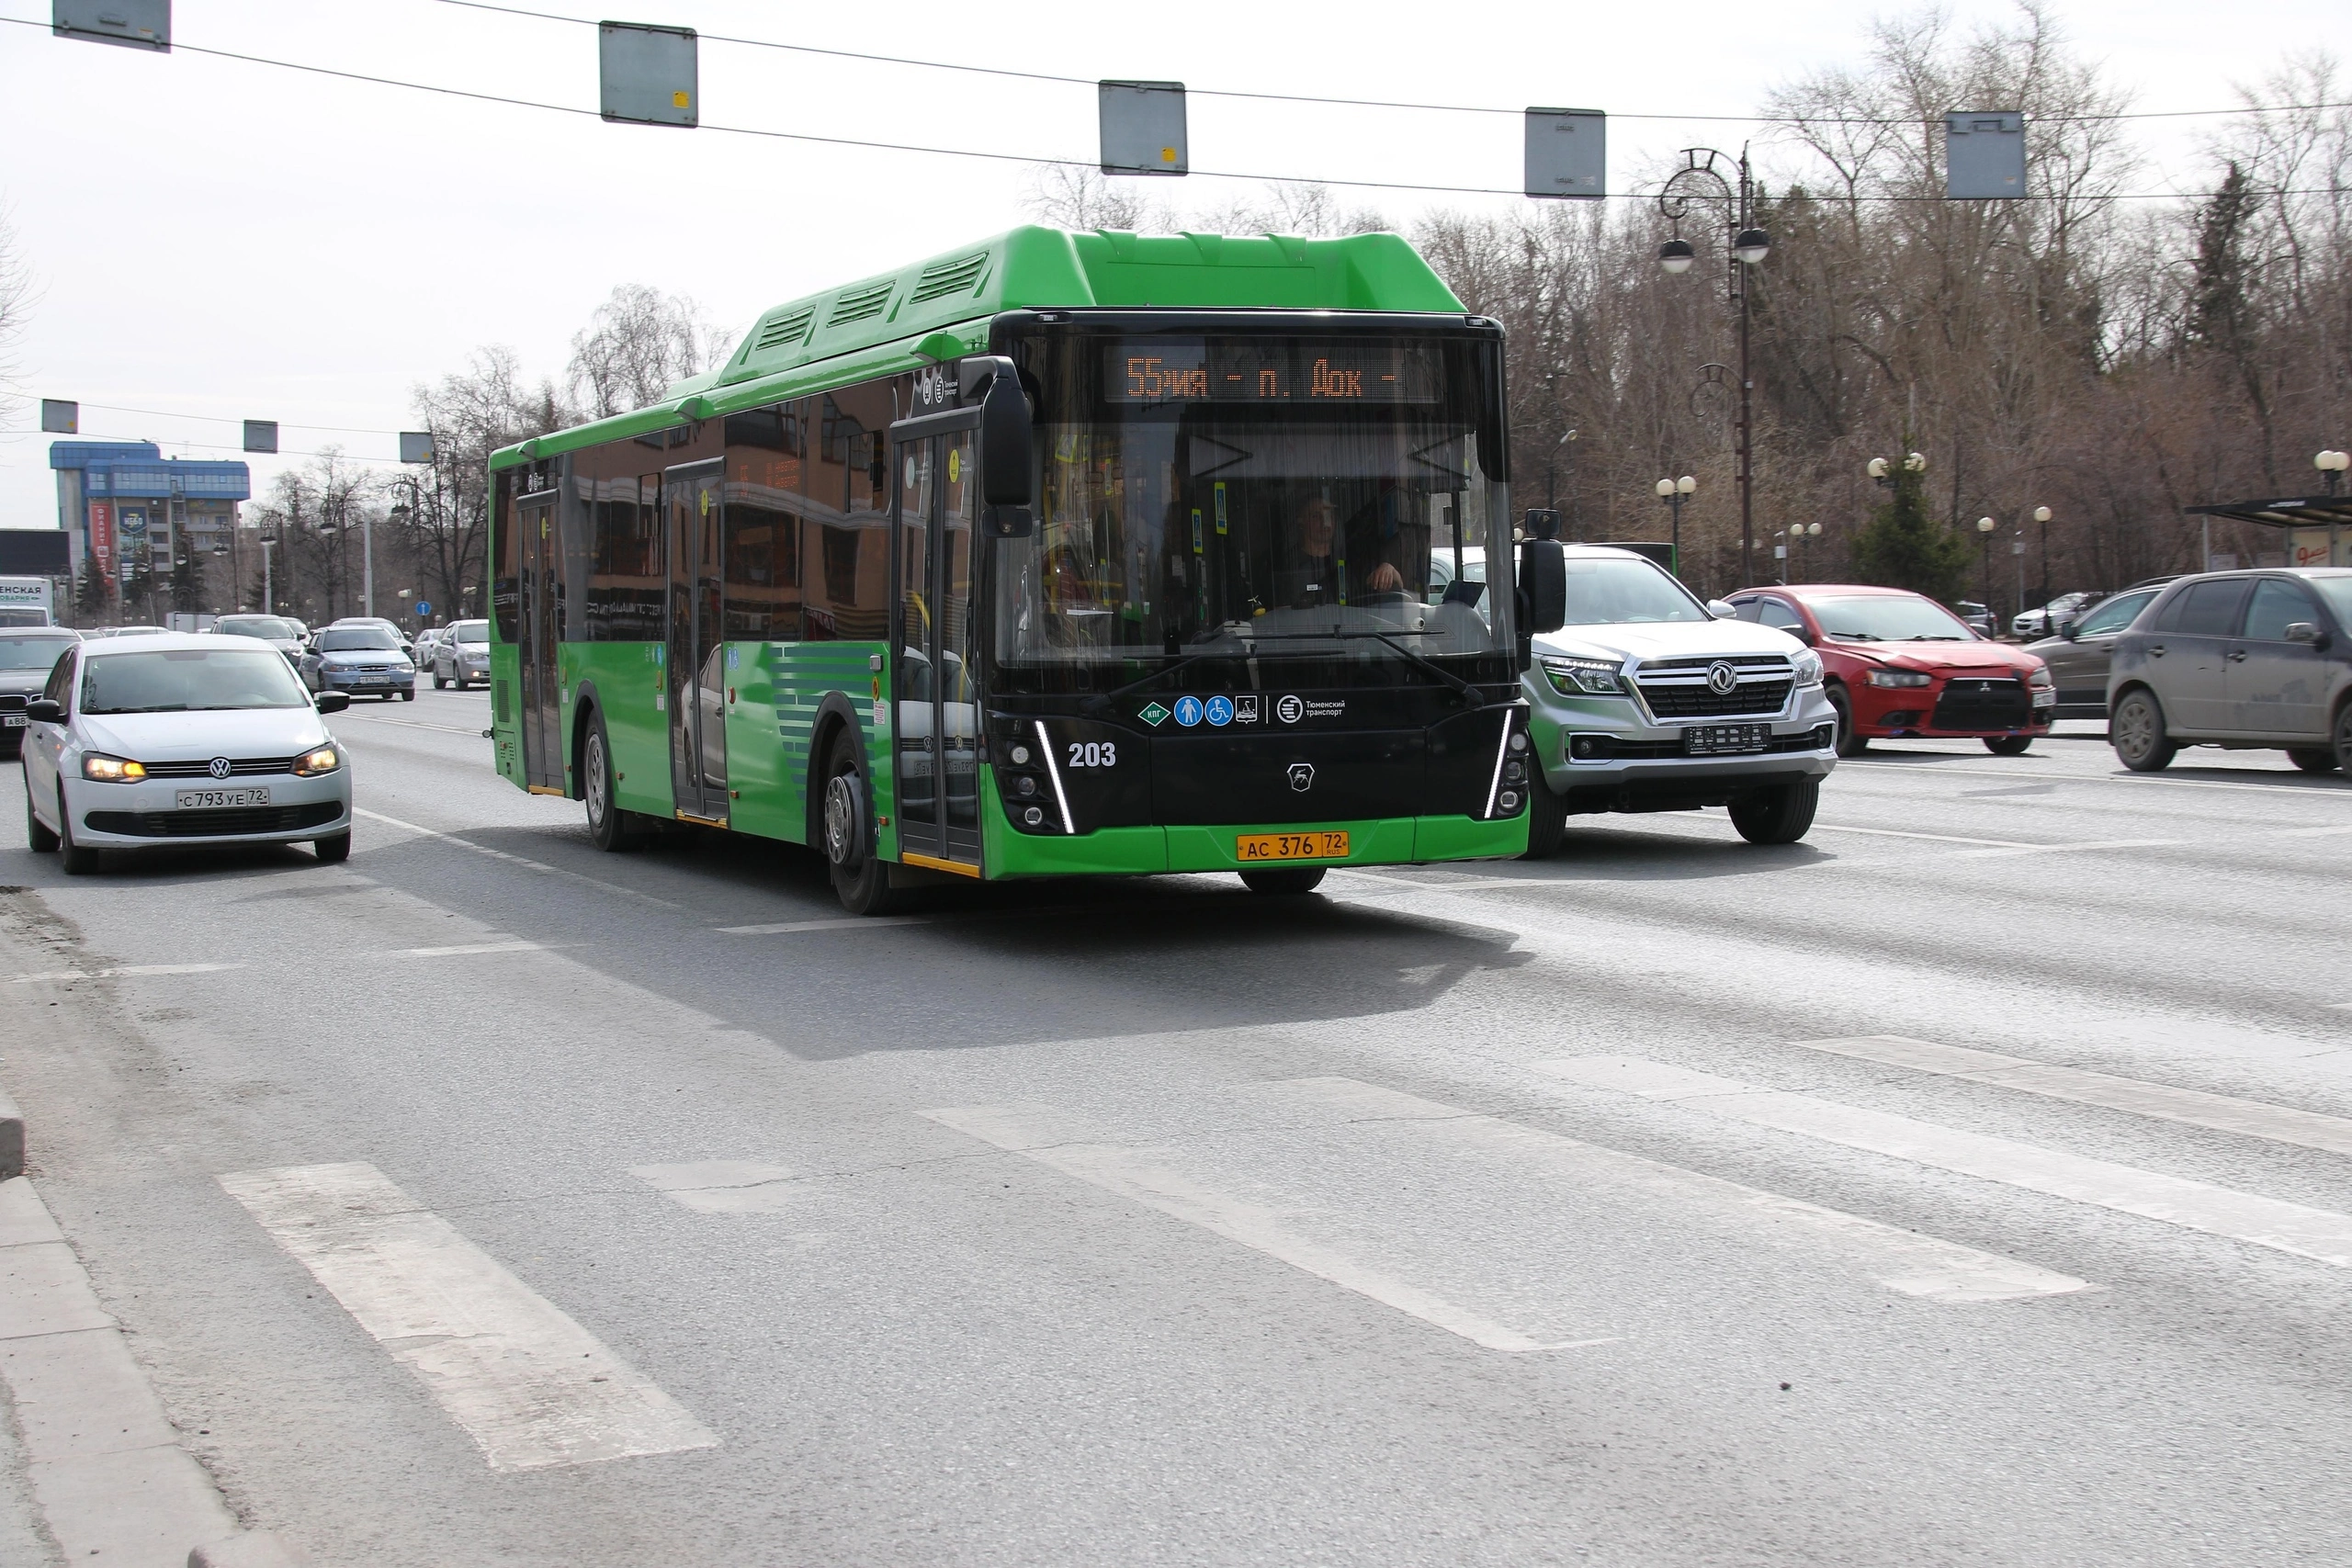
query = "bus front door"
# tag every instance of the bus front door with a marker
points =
(937, 743)
(542, 684)
(695, 678)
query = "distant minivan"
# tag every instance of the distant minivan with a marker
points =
(2240, 660)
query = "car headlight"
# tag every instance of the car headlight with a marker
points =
(1589, 677)
(1900, 678)
(1808, 665)
(406, 665)
(311, 764)
(2040, 676)
(111, 769)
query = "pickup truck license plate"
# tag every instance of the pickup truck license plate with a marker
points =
(1290, 846)
(205, 799)
(1725, 739)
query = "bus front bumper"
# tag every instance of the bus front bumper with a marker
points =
(1148, 850)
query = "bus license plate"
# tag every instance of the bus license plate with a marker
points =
(1290, 846)
(1725, 739)
(204, 799)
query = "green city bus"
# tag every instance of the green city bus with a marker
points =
(1061, 554)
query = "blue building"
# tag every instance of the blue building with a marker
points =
(119, 499)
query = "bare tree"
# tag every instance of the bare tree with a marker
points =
(1073, 196)
(472, 414)
(639, 342)
(16, 304)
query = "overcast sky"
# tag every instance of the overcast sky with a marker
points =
(213, 238)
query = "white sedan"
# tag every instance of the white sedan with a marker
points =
(138, 743)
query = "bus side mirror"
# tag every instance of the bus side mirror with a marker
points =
(1006, 456)
(1544, 584)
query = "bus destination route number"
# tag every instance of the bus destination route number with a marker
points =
(1270, 370)
(1250, 847)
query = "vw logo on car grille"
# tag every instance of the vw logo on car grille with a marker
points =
(1302, 776)
(1721, 678)
(218, 767)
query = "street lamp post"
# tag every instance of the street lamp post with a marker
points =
(1674, 492)
(1749, 245)
(2041, 515)
(1985, 527)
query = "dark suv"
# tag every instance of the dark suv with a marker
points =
(2242, 659)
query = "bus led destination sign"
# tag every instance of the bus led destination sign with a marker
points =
(1269, 370)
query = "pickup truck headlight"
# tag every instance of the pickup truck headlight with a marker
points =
(1808, 666)
(111, 769)
(1583, 677)
(1900, 678)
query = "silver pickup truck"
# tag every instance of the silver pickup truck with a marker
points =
(1650, 699)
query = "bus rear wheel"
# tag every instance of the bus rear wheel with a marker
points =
(861, 878)
(1287, 883)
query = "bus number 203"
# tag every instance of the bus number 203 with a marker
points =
(1094, 754)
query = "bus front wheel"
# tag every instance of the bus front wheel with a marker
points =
(861, 878)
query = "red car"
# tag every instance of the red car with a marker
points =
(1896, 662)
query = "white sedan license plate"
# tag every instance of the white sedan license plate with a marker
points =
(206, 799)
(1725, 739)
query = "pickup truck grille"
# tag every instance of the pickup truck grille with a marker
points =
(1681, 688)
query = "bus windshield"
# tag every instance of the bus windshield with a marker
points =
(1258, 495)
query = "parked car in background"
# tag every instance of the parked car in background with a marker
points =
(463, 657)
(1649, 700)
(1898, 664)
(365, 659)
(1977, 617)
(276, 630)
(2240, 660)
(2045, 620)
(2077, 656)
(128, 631)
(180, 739)
(27, 656)
(421, 648)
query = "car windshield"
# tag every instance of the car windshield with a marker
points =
(470, 631)
(32, 652)
(1607, 591)
(189, 679)
(1888, 617)
(269, 627)
(2115, 615)
(1250, 496)
(2338, 590)
(349, 639)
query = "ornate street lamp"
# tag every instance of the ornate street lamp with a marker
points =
(1674, 492)
(2331, 465)
(1699, 179)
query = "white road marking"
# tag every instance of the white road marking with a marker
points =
(527, 1384)
(2129, 781)
(2317, 1234)
(1132, 1175)
(780, 928)
(721, 1186)
(1932, 837)
(124, 970)
(480, 947)
(2279, 1123)
(612, 887)
(417, 724)
(2059, 849)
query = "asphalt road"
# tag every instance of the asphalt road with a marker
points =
(1509, 1214)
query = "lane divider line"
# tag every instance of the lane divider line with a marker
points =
(532, 1387)
(2318, 1234)
(484, 947)
(414, 724)
(782, 928)
(612, 887)
(2191, 1107)
(123, 972)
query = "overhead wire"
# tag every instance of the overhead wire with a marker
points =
(1364, 103)
(1025, 159)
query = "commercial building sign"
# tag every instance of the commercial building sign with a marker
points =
(102, 534)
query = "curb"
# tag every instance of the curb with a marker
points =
(249, 1549)
(12, 1138)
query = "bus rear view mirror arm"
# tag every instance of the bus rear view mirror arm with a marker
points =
(1544, 584)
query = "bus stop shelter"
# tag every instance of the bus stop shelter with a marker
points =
(2318, 527)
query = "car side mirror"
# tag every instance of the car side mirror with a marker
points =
(1722, 611)
(45, 710)
(1543, 585)
(2070, 629)
(1799, 633)
(333, 702)
(2303, 631)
